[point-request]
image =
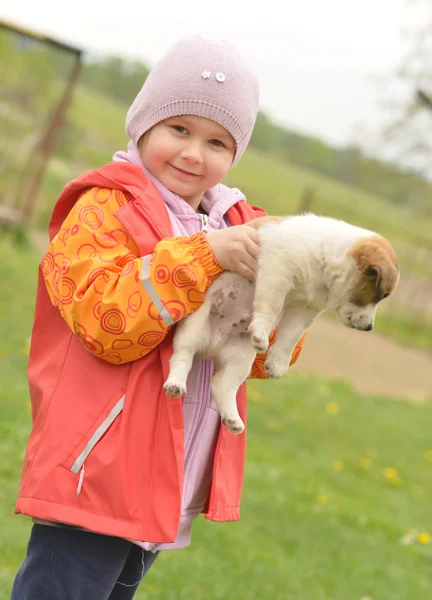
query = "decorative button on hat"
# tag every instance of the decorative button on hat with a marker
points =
(182, 83)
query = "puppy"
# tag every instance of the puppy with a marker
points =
(307, 264)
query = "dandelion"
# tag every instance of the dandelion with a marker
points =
(321, 499)
(428, 455)
(424, 538)
(338, 465)
(392, 476)
(254, 395)
(276, 427)
(366, 462)
(332, 408)
(391, 473)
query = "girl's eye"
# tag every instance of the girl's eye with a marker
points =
(217, 143)
(180, 128)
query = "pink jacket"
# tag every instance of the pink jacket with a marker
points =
(96, 403)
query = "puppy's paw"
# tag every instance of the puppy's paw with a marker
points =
(174, 389)
(276, 366)
(259, 337)
(233, 423)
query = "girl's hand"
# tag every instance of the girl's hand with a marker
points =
(236, 249)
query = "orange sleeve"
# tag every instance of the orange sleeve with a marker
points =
(258, 371)
(121, 305)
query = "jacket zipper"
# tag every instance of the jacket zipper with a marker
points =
(205, 379)
(196, 432)
(204, 223)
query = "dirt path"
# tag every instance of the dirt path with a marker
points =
(373, 364)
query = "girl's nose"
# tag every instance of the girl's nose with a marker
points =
(192, 152)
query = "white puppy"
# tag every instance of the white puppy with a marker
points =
(307, 264)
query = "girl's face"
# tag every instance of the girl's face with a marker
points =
(188, 154)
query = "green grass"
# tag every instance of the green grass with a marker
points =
(405, 329)
(18, 274)
(308, 531)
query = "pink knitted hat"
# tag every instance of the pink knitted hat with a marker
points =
(200, 77)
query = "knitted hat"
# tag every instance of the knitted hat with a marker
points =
(200, 77)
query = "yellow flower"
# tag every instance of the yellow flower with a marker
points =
(428, 455)
(332, 408)
(321, 499)
(338, 465)
(392, 476)
(391, 473)
(254, 395)
(424, 538)
(276, 427)
(366, 462)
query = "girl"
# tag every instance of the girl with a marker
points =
(116, 471)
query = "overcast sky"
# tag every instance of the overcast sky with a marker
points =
(316, 59)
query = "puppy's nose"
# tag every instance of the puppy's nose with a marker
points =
(369, 327)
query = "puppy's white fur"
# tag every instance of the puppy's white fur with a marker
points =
(307, 264)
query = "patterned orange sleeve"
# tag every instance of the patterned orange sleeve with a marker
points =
(121, 305)
(258, 371)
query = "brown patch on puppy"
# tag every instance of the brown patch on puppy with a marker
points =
(378, 267)
(257, 223)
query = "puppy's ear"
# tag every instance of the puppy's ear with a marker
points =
(373, 272)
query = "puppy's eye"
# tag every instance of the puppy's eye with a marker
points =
(382, 296)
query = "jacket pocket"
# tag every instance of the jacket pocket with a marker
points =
(108, 416)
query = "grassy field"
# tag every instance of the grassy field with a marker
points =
(337, 494)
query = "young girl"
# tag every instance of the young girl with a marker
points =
(134, 247)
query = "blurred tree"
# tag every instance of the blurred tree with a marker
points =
(410, 130)
(120, 78)
(350, 164)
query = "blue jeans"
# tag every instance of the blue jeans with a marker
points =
(64, 563)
